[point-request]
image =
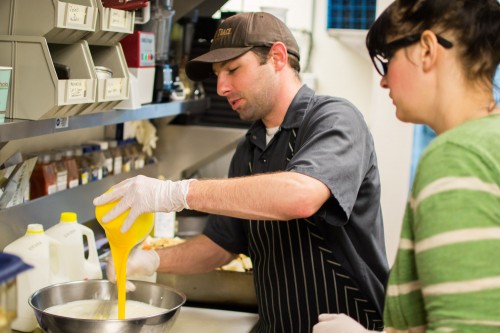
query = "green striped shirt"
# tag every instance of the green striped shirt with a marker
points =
(446, 276)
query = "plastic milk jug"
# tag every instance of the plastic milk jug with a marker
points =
(73, 237)
(42, 252)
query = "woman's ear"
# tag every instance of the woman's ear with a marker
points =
(278, 55)
(429, 50)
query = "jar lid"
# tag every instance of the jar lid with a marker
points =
(103, 69)
(10, 266)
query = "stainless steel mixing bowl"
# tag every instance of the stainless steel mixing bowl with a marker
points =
(150, 293)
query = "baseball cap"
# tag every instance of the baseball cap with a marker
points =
(239, 34)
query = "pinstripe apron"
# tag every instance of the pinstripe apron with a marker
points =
(297, 277)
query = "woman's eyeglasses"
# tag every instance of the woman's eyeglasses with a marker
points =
(381, 58)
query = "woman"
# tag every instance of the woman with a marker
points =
(438, 60)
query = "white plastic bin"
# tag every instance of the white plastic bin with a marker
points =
(112, 25)
(110, 91)
(58, 21)
(36, 92)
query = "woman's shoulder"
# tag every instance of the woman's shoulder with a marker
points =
(470, 150)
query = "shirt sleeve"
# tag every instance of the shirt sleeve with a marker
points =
(334, 146)
(456, 224)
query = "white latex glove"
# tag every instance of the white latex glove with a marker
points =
(140, 262)
(338, 323)
(144, 195)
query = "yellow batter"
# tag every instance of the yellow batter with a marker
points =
(121, 244)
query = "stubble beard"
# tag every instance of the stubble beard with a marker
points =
(257, 107)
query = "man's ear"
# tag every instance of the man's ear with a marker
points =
(429, 49)
(278, 55)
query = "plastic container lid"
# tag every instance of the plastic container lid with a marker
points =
(68, 217)
(10, 266)
(103, 72)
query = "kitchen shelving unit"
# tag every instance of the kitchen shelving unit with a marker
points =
(185, 148)
(15, 129)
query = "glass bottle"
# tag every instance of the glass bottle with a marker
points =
(83, 166)
(95, 170)
(139, 156)
(61, 171)
(102, 152)
(72, 167)
(43, 178)
(117, 156)
(127, 159)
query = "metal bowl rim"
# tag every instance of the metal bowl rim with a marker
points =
(183, 296)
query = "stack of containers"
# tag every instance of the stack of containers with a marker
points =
(43, 253)
(52, 61)
(112, 75)
(65, 252)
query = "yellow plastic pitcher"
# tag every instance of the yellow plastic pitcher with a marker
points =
(122, 243)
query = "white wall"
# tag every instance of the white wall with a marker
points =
(342, 68)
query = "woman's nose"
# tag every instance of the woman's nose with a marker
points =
(383, 82)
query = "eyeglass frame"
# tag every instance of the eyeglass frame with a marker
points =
(383, 56)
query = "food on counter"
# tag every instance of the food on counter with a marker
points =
(86, 309)
(241, 263)
(151, 243)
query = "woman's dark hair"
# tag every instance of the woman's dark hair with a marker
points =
(263, 52)
(474, 27)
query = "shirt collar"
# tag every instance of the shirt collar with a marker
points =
(294, 114)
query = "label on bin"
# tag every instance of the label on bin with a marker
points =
(76, 14)
(77, 89)
(4, 86)
(117, 18)
(113, 88)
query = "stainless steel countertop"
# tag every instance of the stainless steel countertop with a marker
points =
(193, 319)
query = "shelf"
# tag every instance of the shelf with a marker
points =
(46, 210)
(184, 148)
(353, 38)
(14, 129)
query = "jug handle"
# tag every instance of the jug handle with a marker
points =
(87, 232)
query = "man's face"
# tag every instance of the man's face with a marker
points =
(249, 86)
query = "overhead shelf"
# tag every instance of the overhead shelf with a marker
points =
(353, 38)
(178, 156)
(14, 129)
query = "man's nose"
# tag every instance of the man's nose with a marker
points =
(223, 87)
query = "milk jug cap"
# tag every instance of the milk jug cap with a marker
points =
(68, 217)
(35, 228)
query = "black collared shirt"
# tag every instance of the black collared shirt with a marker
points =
(339, 248)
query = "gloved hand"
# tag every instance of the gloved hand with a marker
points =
(144, 195)
(140, 262)
(337, 323)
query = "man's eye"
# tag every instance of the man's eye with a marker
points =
(232, 70)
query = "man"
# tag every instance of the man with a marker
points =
(303, 197)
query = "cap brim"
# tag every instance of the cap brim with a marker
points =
(200, 68)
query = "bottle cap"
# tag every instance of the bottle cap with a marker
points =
(68, 217)
(35, 228)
